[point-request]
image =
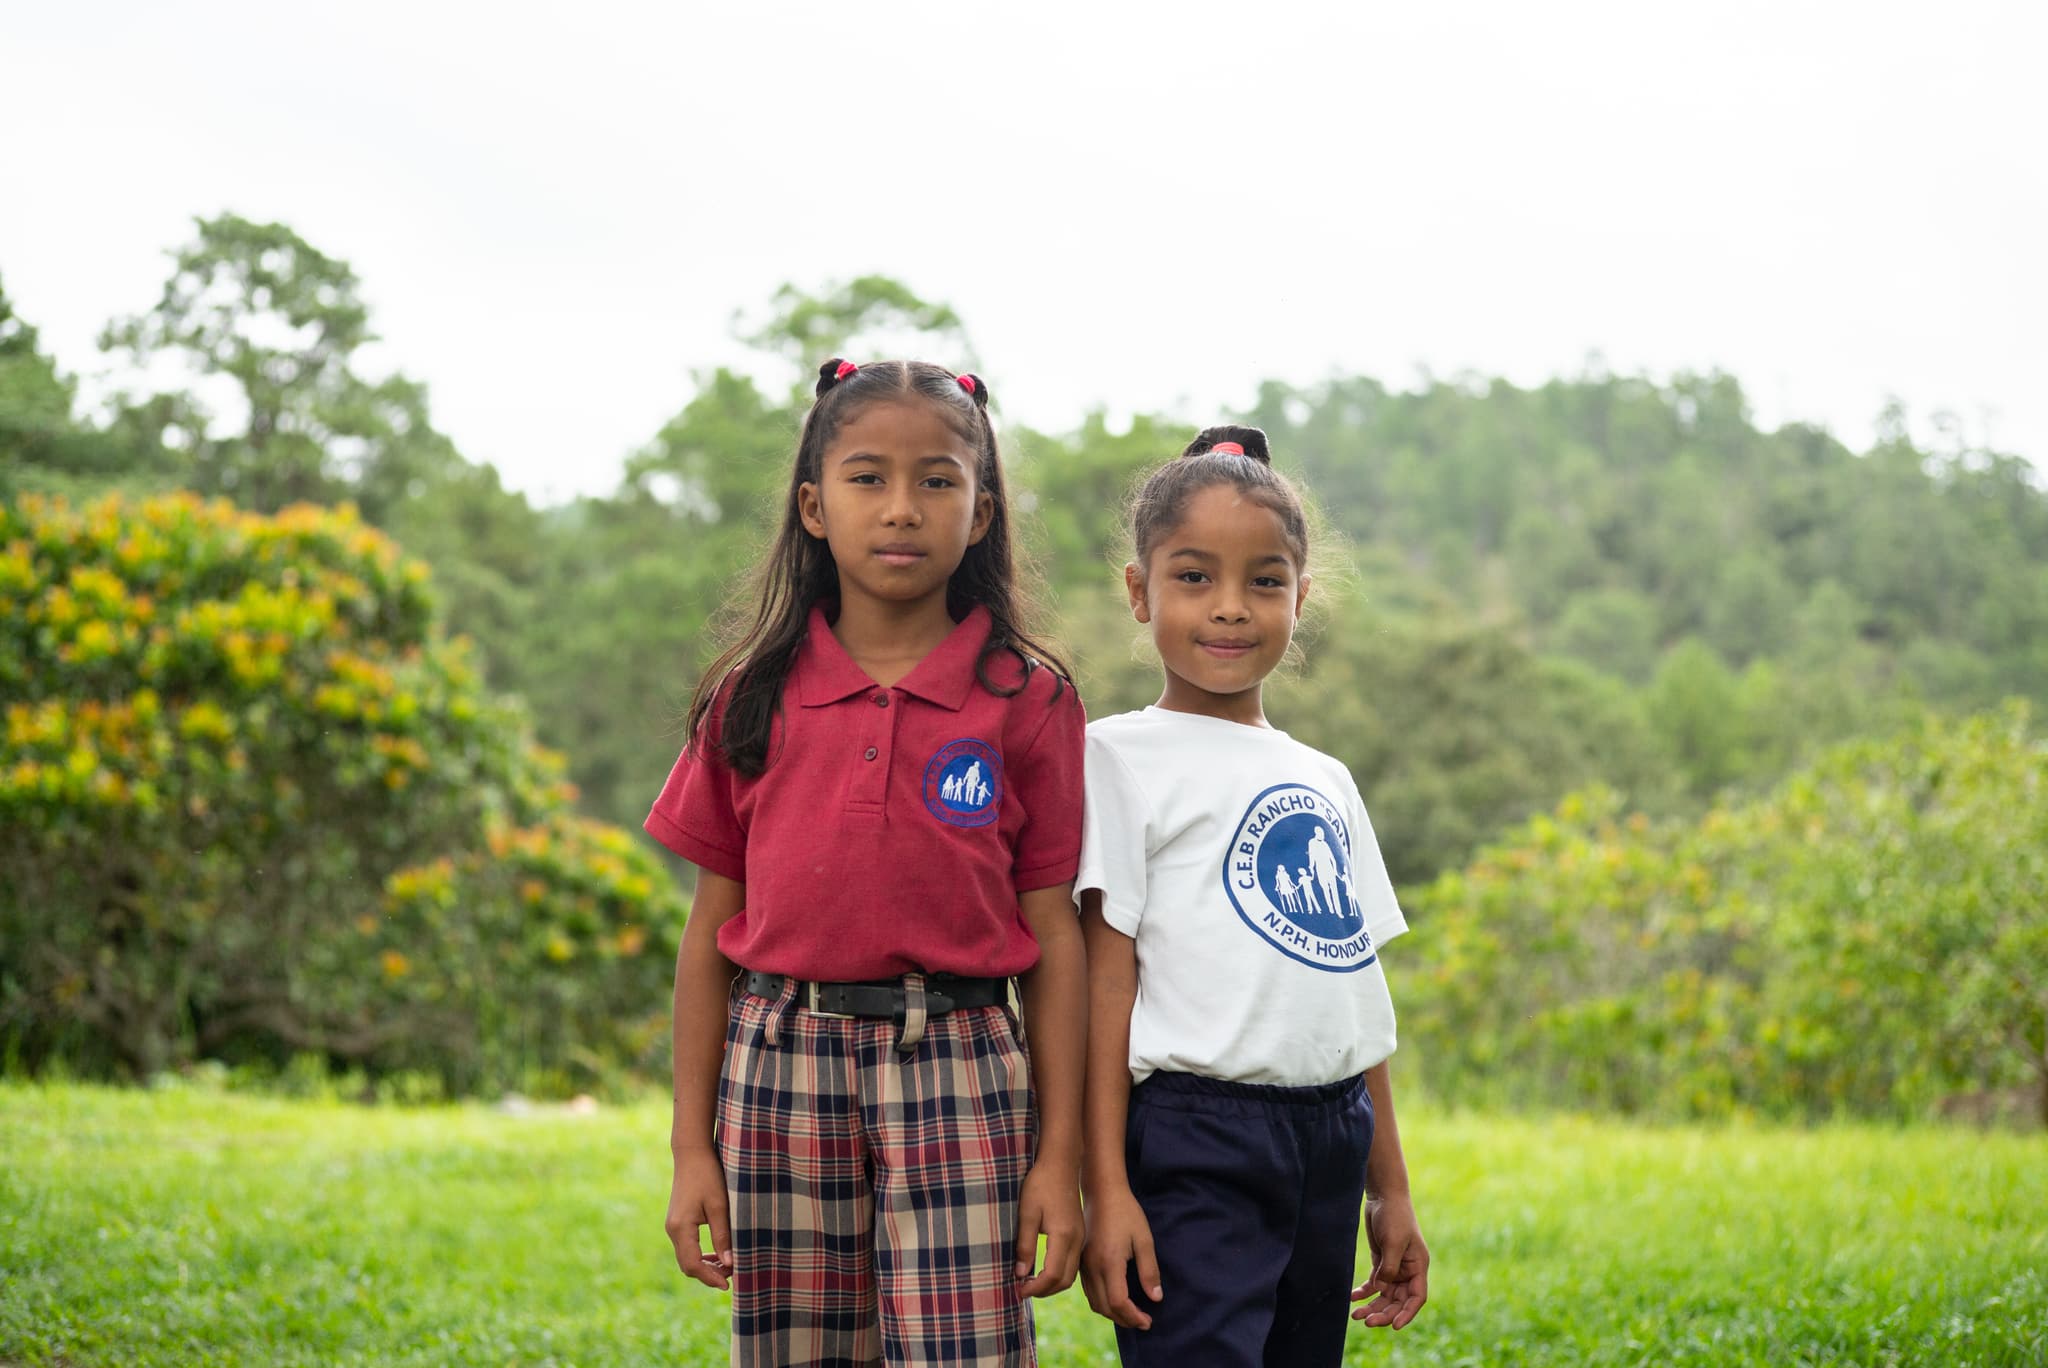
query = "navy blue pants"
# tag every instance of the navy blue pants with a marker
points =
(1253, 1196)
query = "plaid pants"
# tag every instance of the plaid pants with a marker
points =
(874, 1191)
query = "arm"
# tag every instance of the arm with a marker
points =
(1055, 1013)
(1117, 1229)
(1400, 1260)
(702, 1000)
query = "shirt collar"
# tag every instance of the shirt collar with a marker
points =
(824, 673)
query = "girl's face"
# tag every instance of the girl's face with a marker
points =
(1222, 592)
(897, 502)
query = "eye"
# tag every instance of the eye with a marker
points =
(1191, 577)
(864, 477)
(1268, 582)
(938, 482)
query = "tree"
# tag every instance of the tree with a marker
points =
(804, 329)
(42, 445)
(1694, 707)
(638, 581)
(1454, 731)
(1750, 615)
(35, 401)
(281, 322)
(1614, 630)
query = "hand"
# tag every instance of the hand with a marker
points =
(698, 1199)
(1118, 1233)
(1400, 1265)
(1050, 1205)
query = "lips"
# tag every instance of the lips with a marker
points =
(899, 553)
(1230, 648)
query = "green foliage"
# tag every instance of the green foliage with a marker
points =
(255, 310)
(1613, 630)
(804, 329)
(42, 447)
(1870, 938)
(254, 805)
(252, 801)
(35, 401)
(1577, 507)
(1520, 591)
(260, 307)
(1453, 730)
(256, 1231)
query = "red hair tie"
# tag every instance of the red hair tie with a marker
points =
(1228, 448)
(966, 382)
(846, 368)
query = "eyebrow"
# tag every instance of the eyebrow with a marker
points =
(874, 458)
(1196, 553)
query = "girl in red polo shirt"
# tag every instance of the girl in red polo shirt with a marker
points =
(881, 788)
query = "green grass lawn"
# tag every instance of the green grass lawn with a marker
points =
(189, 1227)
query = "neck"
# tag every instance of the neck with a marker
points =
(1246, 707)
(887, 639)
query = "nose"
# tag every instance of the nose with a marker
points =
(901, 508)
(1230, 607)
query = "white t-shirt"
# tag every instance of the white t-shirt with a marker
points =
(1243, 864)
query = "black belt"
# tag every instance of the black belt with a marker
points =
(884, 998)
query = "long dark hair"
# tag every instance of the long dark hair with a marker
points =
(798, 572)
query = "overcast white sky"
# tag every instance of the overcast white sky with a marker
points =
(556, 211)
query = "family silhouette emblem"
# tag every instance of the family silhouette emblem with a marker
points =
(963, 783)
(1288, 874)
(965, 790)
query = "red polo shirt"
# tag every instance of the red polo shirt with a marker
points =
(893, 828)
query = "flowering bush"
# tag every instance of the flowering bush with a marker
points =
(252, 800)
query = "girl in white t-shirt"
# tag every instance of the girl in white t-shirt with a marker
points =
(1234, 902)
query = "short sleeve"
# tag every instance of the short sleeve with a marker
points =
(697, 814)
(1116, 834)
(1046, 780)
(1374, 890)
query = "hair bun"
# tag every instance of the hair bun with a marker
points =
(1248, 441)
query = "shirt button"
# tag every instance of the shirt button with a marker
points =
(881, 700)
(868, 754)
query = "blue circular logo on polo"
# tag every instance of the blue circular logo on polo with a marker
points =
(1288, 875)
(963, 784)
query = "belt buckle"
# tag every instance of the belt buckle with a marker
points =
(811, 1004)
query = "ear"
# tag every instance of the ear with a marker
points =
(984, 514)
(810, 508)
(1301, 594)
(1134, 585)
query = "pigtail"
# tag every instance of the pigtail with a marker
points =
(976, 387)
(831, 373)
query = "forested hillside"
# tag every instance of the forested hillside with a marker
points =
(1522, 590)
(1677, 731)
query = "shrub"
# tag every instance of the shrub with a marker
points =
(1871, 939)
(254, 802)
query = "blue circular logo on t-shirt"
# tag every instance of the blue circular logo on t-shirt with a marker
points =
(1288, 875)
(963, 783)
